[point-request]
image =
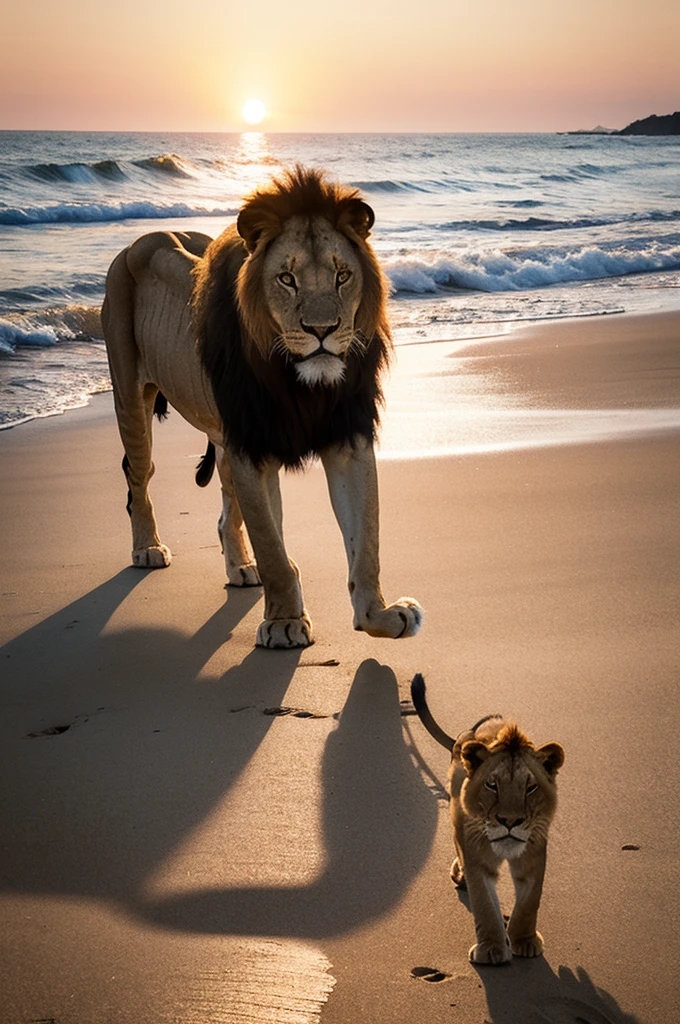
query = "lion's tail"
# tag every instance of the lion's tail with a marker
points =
(206, 467)
(425, 715)
(160, 407)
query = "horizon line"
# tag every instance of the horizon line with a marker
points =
(256, 131)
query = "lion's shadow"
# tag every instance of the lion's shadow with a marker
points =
(148, 750)
(378, 827)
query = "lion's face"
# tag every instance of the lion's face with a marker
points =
(512, 792)
(312, 283)
(310, 288)
(289, 314)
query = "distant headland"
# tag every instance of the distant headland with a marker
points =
(664, 124)
(655, 124)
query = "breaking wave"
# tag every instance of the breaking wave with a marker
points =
(77, 173)
(548, 224)
(424, 185)
(13, 336)
(109, 170)
(85, 213)
(48, 327)
(520, 270)
(168, 163)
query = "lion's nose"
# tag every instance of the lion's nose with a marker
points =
(320, 331)
(509, 824)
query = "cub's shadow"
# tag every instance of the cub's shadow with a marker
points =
(148, 746)
(529, 992)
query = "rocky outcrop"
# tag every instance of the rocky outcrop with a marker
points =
(665, 124)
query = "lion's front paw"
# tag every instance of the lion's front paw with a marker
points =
(285, 632)
(489, 953)
(403, 618)
(245, 575)
(529, 947)
(156, 557)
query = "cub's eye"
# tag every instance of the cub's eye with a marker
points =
(287, 279)
(342, 276)
(532, 787)
(490, 784)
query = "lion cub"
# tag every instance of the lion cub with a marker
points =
(503, 798)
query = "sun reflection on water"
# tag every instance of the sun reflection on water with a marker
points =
(254, 159)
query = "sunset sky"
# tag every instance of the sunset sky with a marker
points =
(363, 65)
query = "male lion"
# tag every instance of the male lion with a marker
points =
(271, 340)
(503, 798)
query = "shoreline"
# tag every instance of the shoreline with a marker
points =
(518, 323)
(489, 378)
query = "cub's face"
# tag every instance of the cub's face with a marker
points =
(313, 287)
(514, 795)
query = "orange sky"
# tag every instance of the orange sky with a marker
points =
(362, 65)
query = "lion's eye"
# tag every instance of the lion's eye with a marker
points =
(532, 787)
(343, 276)
(490, 784)
(287, 279)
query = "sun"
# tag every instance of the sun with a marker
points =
(253, 111)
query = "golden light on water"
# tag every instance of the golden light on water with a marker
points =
(253, 111)
(254, 160)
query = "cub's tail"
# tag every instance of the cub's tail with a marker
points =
(206, 467)
(424, 714)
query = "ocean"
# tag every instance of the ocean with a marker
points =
(475, 232)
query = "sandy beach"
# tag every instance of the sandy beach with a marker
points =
(198, 831)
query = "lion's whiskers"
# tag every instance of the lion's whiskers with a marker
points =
(358, 342)
(280, 348)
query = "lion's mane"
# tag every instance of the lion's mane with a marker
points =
(266, 411)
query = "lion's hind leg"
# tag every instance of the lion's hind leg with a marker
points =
(134, 404)
(135, 430)
(239, 562)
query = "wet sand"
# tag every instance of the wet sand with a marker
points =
(571, 382)
(192, 830)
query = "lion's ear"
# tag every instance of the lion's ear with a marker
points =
(357, 216)
(472, 754)
(256, 220)
(551, 756)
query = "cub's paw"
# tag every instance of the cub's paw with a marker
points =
(529, 947)
(488, 953)
(286, 633)
(156, 557)
(245, 575)
(457, 875)
(403, 618)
